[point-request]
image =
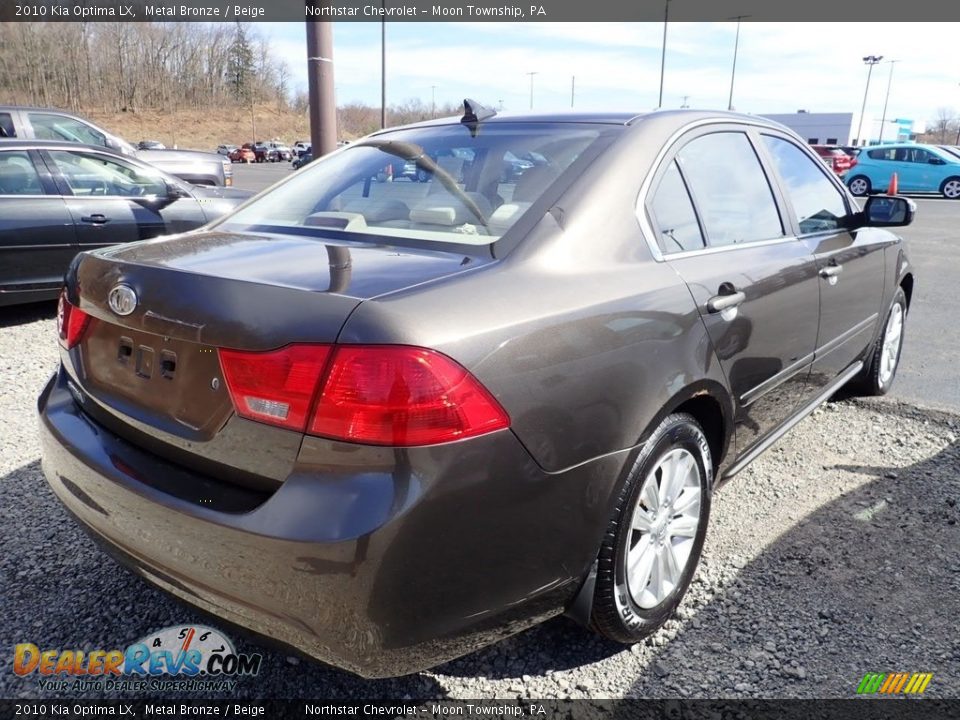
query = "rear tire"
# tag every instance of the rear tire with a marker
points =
(950, 188)
(859, 185)
(653, 541)
(884, 359)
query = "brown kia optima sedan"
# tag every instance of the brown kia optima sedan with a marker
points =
(388, 421)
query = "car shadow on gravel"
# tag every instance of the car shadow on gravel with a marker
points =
(23, 314)
(869, 582)
(556, 645)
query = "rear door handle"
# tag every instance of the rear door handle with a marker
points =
(831, 271)
(96, 219)
(719, 303)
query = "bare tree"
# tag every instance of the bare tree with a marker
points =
(944, 125)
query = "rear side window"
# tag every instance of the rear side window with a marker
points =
(18, 176)
(818, 204)
(50, 126)
(676, 221)
(6, 126)
(730, 189)
(886, 154)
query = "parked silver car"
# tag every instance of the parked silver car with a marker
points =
(199, 168)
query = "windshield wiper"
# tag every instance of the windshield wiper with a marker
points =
(417, 155)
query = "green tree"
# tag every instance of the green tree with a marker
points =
(240, 69)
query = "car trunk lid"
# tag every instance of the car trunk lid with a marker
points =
(156, 371)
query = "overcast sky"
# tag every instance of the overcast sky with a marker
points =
(781, 67)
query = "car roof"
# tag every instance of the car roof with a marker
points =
(55, 144)
(679, 118)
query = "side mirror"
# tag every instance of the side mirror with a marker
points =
(175, 193)
(888, 211)
(937, 161)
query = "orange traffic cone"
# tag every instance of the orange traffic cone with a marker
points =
(892, 189)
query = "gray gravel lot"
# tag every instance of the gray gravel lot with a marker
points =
(837, 553)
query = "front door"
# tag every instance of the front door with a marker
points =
(850, 263)
(116, 201)
(754, 285)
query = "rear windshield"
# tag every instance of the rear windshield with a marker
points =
(440, 183)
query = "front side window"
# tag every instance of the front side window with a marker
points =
(676, 221)
(730, 189)
(818, 204)
(91, 174)
(919, 155)
(440, 183)
(18, 176)
(49, 126)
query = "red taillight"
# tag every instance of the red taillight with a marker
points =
(376, 394)
(398, 395)
(71, 322)
(275, 387)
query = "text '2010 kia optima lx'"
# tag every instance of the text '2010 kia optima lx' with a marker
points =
(388, 422)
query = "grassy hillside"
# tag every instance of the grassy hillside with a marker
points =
(204, 129)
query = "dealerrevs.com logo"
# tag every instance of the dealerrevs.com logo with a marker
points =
(179, 657)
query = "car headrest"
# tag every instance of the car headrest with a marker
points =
(533, 182)
(378, 211)
(14, 180)
(449, 210)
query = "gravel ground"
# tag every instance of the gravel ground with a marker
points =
(836, 554)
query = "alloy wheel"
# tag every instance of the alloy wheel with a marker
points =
(663, 528)
(890, 352)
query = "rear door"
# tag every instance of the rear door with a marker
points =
(719, 226)
(37, 239)
(850, 264)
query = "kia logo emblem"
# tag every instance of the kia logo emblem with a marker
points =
(122, 300)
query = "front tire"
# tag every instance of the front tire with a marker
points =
(884, 359)
(653, 542)
(859, 185)
(950, 188)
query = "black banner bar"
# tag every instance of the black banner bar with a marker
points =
(638, 709)
(472, 11)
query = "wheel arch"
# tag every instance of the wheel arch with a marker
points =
(906, 282)
(711, 405)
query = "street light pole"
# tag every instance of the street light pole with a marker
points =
(323, 110)
(883, 119)
(531, 74)
(958, 133)
(383, 68)
(736, 46)
(663, 50)
(870, 60)
(433, 101)
(573, 88)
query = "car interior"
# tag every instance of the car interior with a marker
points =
(17, 175)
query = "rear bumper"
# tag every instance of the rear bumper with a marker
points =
(383, 562)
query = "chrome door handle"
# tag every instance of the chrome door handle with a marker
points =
(719, 303)
(831, 271)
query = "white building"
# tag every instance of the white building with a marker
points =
(841, 128)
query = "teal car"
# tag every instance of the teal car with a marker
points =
(919, 169)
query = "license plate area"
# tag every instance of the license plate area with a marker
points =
(170, 383)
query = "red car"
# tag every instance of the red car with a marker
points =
(242, 154)
(836, 158)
